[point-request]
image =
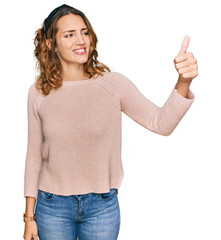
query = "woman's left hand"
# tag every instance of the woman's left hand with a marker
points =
(186, 63)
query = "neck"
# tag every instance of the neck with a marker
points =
(73, 73)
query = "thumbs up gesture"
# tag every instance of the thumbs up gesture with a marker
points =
(185, 63)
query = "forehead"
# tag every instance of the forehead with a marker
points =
(70, 21)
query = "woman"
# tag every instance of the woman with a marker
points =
(73, 164)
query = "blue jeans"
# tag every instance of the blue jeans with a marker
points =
(91, 216)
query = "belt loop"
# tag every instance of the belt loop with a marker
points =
(117, 191)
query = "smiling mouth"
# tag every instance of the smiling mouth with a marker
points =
(80, 51)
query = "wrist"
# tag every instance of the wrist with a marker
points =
(182, 87)
(184, 82)
(27, 218)
(29, 214)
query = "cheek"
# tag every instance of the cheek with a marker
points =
(64, 48)
(89, 46)
(87, 41)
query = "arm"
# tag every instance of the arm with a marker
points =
(182, 87)
(30, 206)
(160, 120)
(33, 156)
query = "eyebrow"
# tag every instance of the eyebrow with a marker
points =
(74, 30)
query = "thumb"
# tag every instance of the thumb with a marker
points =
(185, 44)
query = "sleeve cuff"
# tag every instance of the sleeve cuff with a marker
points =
(190, 96)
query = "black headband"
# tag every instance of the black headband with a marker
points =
(48, 20)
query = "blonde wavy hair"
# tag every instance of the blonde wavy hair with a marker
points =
(48, 63)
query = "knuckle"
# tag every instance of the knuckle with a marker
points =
(183, 76)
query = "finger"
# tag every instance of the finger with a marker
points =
(185, 44)
(192, 74)
(186, 63)
(183, 57)
(187, 69)
(34, 237)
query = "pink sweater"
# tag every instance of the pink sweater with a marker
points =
(74, 133)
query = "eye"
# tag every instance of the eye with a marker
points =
(86, 33)
(68, 35)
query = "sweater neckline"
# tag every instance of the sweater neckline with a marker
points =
(80, 82)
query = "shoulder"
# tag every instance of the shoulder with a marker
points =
(33, 90)
(114, 75)
(115, 78)
(119, 81)
(33, 93)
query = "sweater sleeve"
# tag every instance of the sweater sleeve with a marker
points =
(33, 155)
(161, 120)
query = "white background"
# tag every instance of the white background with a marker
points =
(171, 187)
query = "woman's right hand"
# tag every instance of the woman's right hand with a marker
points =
(31, 231)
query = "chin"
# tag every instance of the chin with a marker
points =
(83, 60)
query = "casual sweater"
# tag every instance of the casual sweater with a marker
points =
(74, 133)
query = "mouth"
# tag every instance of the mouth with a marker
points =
(80, 51)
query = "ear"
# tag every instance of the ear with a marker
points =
(48, 43)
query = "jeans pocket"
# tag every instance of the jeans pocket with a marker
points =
(46, 195)
(109, 195)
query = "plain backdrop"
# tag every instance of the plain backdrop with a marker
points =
(171, 187)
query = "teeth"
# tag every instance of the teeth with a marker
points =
(81, 50)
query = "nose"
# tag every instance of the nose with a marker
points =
(79, 38)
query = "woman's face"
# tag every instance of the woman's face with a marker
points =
(72, 34)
